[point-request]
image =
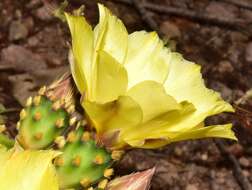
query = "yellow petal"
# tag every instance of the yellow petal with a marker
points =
(111, 35)
(77, 74)
(185, 83)
(82, 49)
(114, 117)
(111, 80)
(158, 126)
(4, 155)
(173, 126)
(33, 170)
(152, 99)
(168, 127)
(221, 131)
(147, 59)
(158, 140)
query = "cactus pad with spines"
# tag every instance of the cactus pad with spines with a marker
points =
(40, 123)
(47, 122)
(83, 163)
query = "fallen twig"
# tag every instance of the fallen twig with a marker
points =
(139, 5)
(241, 179)
(10, 110)
(240, 3)
(5, 68)
(244, 98)
(198, 16)
(202, 17)
(124, 1)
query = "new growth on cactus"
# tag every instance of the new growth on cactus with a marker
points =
(41, 122)
(46, 116)
(83, 162)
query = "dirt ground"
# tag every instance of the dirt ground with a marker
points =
(215, 34)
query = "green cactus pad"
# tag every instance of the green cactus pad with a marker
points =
(38, 124)
(82, 163)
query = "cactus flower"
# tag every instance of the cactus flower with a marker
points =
(135, 91)
(22, 170)
(136, 181)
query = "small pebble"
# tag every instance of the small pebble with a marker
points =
(17, 31)
(191, 187)
(170, 30)
(244, 162)
(248, 52)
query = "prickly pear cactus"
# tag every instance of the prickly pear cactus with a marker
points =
(44, 118)
(48, 121)
(83, 163)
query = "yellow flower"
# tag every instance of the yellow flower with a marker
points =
(136, 91)
(23, 170)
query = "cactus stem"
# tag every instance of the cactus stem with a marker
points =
(37, 100)
(117, 154)
(85, 182)
(72, 121)
(59, 123)
(37, 116)
(85, 137)
(59, 161)
(103, 184)
(56, 105)
(29, 102)
(2, 128)
(108, 172)
(60, 141)
(71, 137)
(22, 114)
(42, 91)
(76, 161)
(98, 160)
(38, 136)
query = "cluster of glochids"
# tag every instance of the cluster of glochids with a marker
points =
(48, 121)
